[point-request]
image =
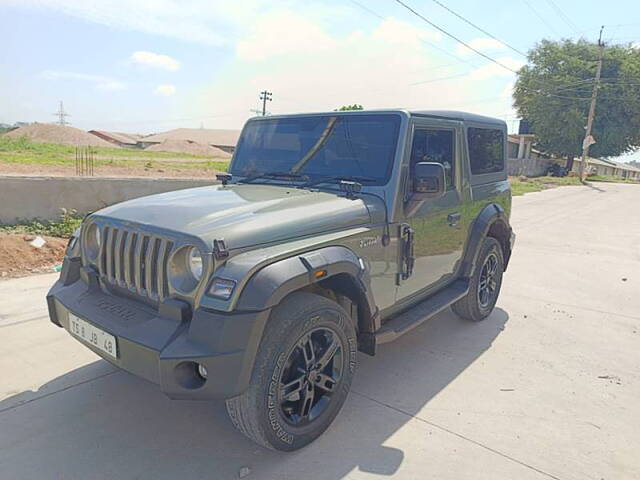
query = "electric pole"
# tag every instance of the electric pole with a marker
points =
(61, 114)
(264, 96)
(588, 139)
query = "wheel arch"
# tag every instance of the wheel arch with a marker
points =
(492, 221)
(346, 281)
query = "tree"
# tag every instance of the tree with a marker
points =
(344, 108)
(553, 93)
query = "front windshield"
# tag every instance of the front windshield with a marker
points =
(319, 146)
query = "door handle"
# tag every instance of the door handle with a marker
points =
(453, 219)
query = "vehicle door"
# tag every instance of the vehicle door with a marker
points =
(431, 238)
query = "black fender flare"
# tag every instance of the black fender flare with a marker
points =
(269, 285)
(488, 216)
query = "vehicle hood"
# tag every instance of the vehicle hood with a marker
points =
(246, 214)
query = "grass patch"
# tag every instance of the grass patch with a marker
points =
(23, 150)
(537, 184)
(603, 178)
(64, 227)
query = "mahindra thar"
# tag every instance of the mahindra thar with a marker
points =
(330, 233)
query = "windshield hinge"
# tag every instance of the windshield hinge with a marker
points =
(350, 188)
(407, 259)
(220, 249)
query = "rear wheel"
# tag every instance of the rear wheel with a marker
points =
(302, 374)
(485, 283)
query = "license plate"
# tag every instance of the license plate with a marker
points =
(93, 335)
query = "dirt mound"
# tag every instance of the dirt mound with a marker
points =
(187, 146)
(18, 257)
(51, 133)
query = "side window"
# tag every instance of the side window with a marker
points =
(433, 145)
(486, 150)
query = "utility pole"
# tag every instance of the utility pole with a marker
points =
(264, 96)
(61, 114)
(588, 139)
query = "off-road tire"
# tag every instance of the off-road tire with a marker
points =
(257, 412)
(469, 307)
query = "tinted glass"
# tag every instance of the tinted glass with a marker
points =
(486, 150)
(352, 145)
(434, 146)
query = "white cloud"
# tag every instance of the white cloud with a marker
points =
(100, 82)
(165, 90)
(384, 67)
(282, 33)
(491, 70)
(480, 44)
(155, 60)
(508, 90)
(200, 21)
(399, 32)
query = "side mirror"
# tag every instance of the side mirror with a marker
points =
(429, 180)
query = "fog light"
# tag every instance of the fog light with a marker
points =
(202, 371)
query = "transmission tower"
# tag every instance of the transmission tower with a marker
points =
(62, 115)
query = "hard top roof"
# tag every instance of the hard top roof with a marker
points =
(444, 114)
(457, 115)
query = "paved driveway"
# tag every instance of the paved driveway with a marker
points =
(547, 387)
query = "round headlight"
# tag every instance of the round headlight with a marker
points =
(194, 259)
(186, 269)
(92, 242)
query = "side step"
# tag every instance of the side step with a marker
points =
(421, 312)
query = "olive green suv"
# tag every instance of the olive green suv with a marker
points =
(331, 234)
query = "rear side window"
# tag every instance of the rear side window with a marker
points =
(486, 150)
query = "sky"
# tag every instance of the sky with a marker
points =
(145, 66)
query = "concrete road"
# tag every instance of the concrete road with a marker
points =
(547, 387)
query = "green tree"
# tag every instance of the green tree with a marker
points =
(344, 108)
(553, 92)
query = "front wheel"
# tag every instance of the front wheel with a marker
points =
(302, 374)
(485, 283)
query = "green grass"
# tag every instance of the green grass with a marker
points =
(538, 184)
(603, 178)
(69, 221)
(24, 151)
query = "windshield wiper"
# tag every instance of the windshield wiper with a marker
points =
(275, 176)
(339, 179)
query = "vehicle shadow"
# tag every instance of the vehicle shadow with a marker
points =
(98, 422)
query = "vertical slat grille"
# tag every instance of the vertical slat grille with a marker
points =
(135, 261)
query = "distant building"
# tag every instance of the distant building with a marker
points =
(118, 138)
(225, 140)
(608, 168)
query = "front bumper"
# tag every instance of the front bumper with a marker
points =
(164, 345)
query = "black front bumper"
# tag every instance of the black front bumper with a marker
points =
(163, 346)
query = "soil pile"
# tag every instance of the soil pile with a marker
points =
(189, 147)
(51, 133)
(18, 257)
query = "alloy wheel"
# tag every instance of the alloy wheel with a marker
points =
(488, 283)
(311, 376)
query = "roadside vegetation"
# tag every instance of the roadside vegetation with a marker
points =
(537, 184)
(68, 222)
(22, 151)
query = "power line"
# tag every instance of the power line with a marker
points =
(562, 15)
(478, 28)
(431, 44)
(431, 80)
(442, 30)
(542, 19)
